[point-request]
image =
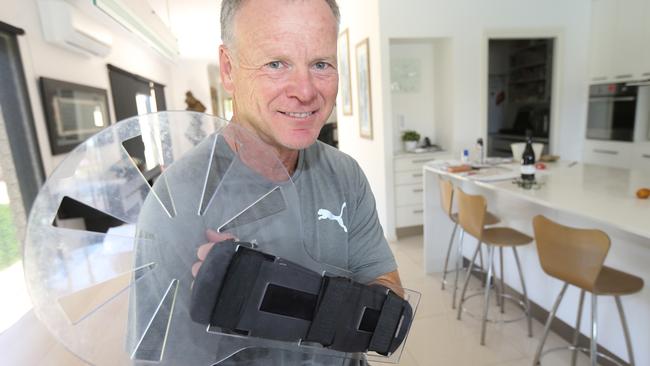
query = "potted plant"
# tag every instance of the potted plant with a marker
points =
(410, 139)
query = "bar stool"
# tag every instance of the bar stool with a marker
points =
(471, 216)
(576, 256)
(446, 201)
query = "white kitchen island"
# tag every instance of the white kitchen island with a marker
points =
(580, 195)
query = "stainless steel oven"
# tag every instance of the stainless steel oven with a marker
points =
(612, 110)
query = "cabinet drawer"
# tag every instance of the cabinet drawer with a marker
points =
(408, 194)
(642, 157)
(614, 154)
(642, 162)
(409, 215)
(412, 163)
(412, 177)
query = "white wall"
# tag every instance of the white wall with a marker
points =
(469, 22)
(443, 91)
(414, 110)
(44, 59)
(362, 19)
(191, 75)
(466, 25)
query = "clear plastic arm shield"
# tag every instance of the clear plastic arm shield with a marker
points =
(114, 232)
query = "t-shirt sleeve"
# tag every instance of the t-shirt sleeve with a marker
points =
(369, 255)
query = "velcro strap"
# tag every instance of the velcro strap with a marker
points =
(249, 292)
(333, 294)
(208, 281)
(236, 289)
(389, 319)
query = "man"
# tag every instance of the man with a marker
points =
(279, 62)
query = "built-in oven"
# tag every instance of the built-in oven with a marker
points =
(612, 109)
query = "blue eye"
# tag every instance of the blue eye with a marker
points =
(321, 65)
(274, 64)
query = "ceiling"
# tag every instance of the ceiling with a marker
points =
(195, 23)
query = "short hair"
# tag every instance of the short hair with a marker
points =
(229, 9)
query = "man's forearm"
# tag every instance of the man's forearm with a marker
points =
(392, 281)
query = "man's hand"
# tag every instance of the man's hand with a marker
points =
(392, 281)
(213, 237)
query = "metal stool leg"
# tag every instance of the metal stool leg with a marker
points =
(547, 327)
(593, 349)
(576, 333)
(486, 305)
(459, 266)
(467, 277)
(626, 331)
(502, 289)
(525, 293)
(480, 260)
(451, 244)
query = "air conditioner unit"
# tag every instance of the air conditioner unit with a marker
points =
(65, 26)
(138, 17)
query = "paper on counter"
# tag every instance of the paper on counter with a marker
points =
(493, 174)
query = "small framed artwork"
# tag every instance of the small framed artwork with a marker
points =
(363, 88)
(73, 113)
(344, 73)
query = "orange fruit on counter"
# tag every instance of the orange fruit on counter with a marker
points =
(643, 193)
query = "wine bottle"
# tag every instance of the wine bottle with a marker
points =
(528, 160)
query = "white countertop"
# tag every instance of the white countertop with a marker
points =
(600, 193)
(411, 154)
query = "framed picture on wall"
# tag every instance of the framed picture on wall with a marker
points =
(73, 113)
(344, 73)
(363, 88)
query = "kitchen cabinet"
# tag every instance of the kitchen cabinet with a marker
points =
(609, 153)
(620, 41)
(601, 40)
(408, 188)
(641, 159)
(645, 48)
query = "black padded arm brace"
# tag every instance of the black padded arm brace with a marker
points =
(243, 290)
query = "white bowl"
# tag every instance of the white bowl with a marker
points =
(518, 150)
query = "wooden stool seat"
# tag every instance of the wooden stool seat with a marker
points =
(472, 217)
(613, 282)
(490, 218)
(576, 256)
(505, 237)
(446, 201)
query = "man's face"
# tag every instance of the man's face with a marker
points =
(282, 71)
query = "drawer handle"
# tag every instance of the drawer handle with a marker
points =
(418, 211)
(420, 161)
(416, 175)
(609, 152)
(647, 156)
(599, 78)
(418, 190)
(624, 76)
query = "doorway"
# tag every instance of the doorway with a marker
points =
(520, 84)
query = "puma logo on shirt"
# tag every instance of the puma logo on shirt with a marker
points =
(324, 214)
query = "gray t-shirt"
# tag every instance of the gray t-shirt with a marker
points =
(339, 224)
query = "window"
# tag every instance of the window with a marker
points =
(21, 175)
(134, 95)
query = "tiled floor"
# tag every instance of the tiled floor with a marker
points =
(436, 338)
